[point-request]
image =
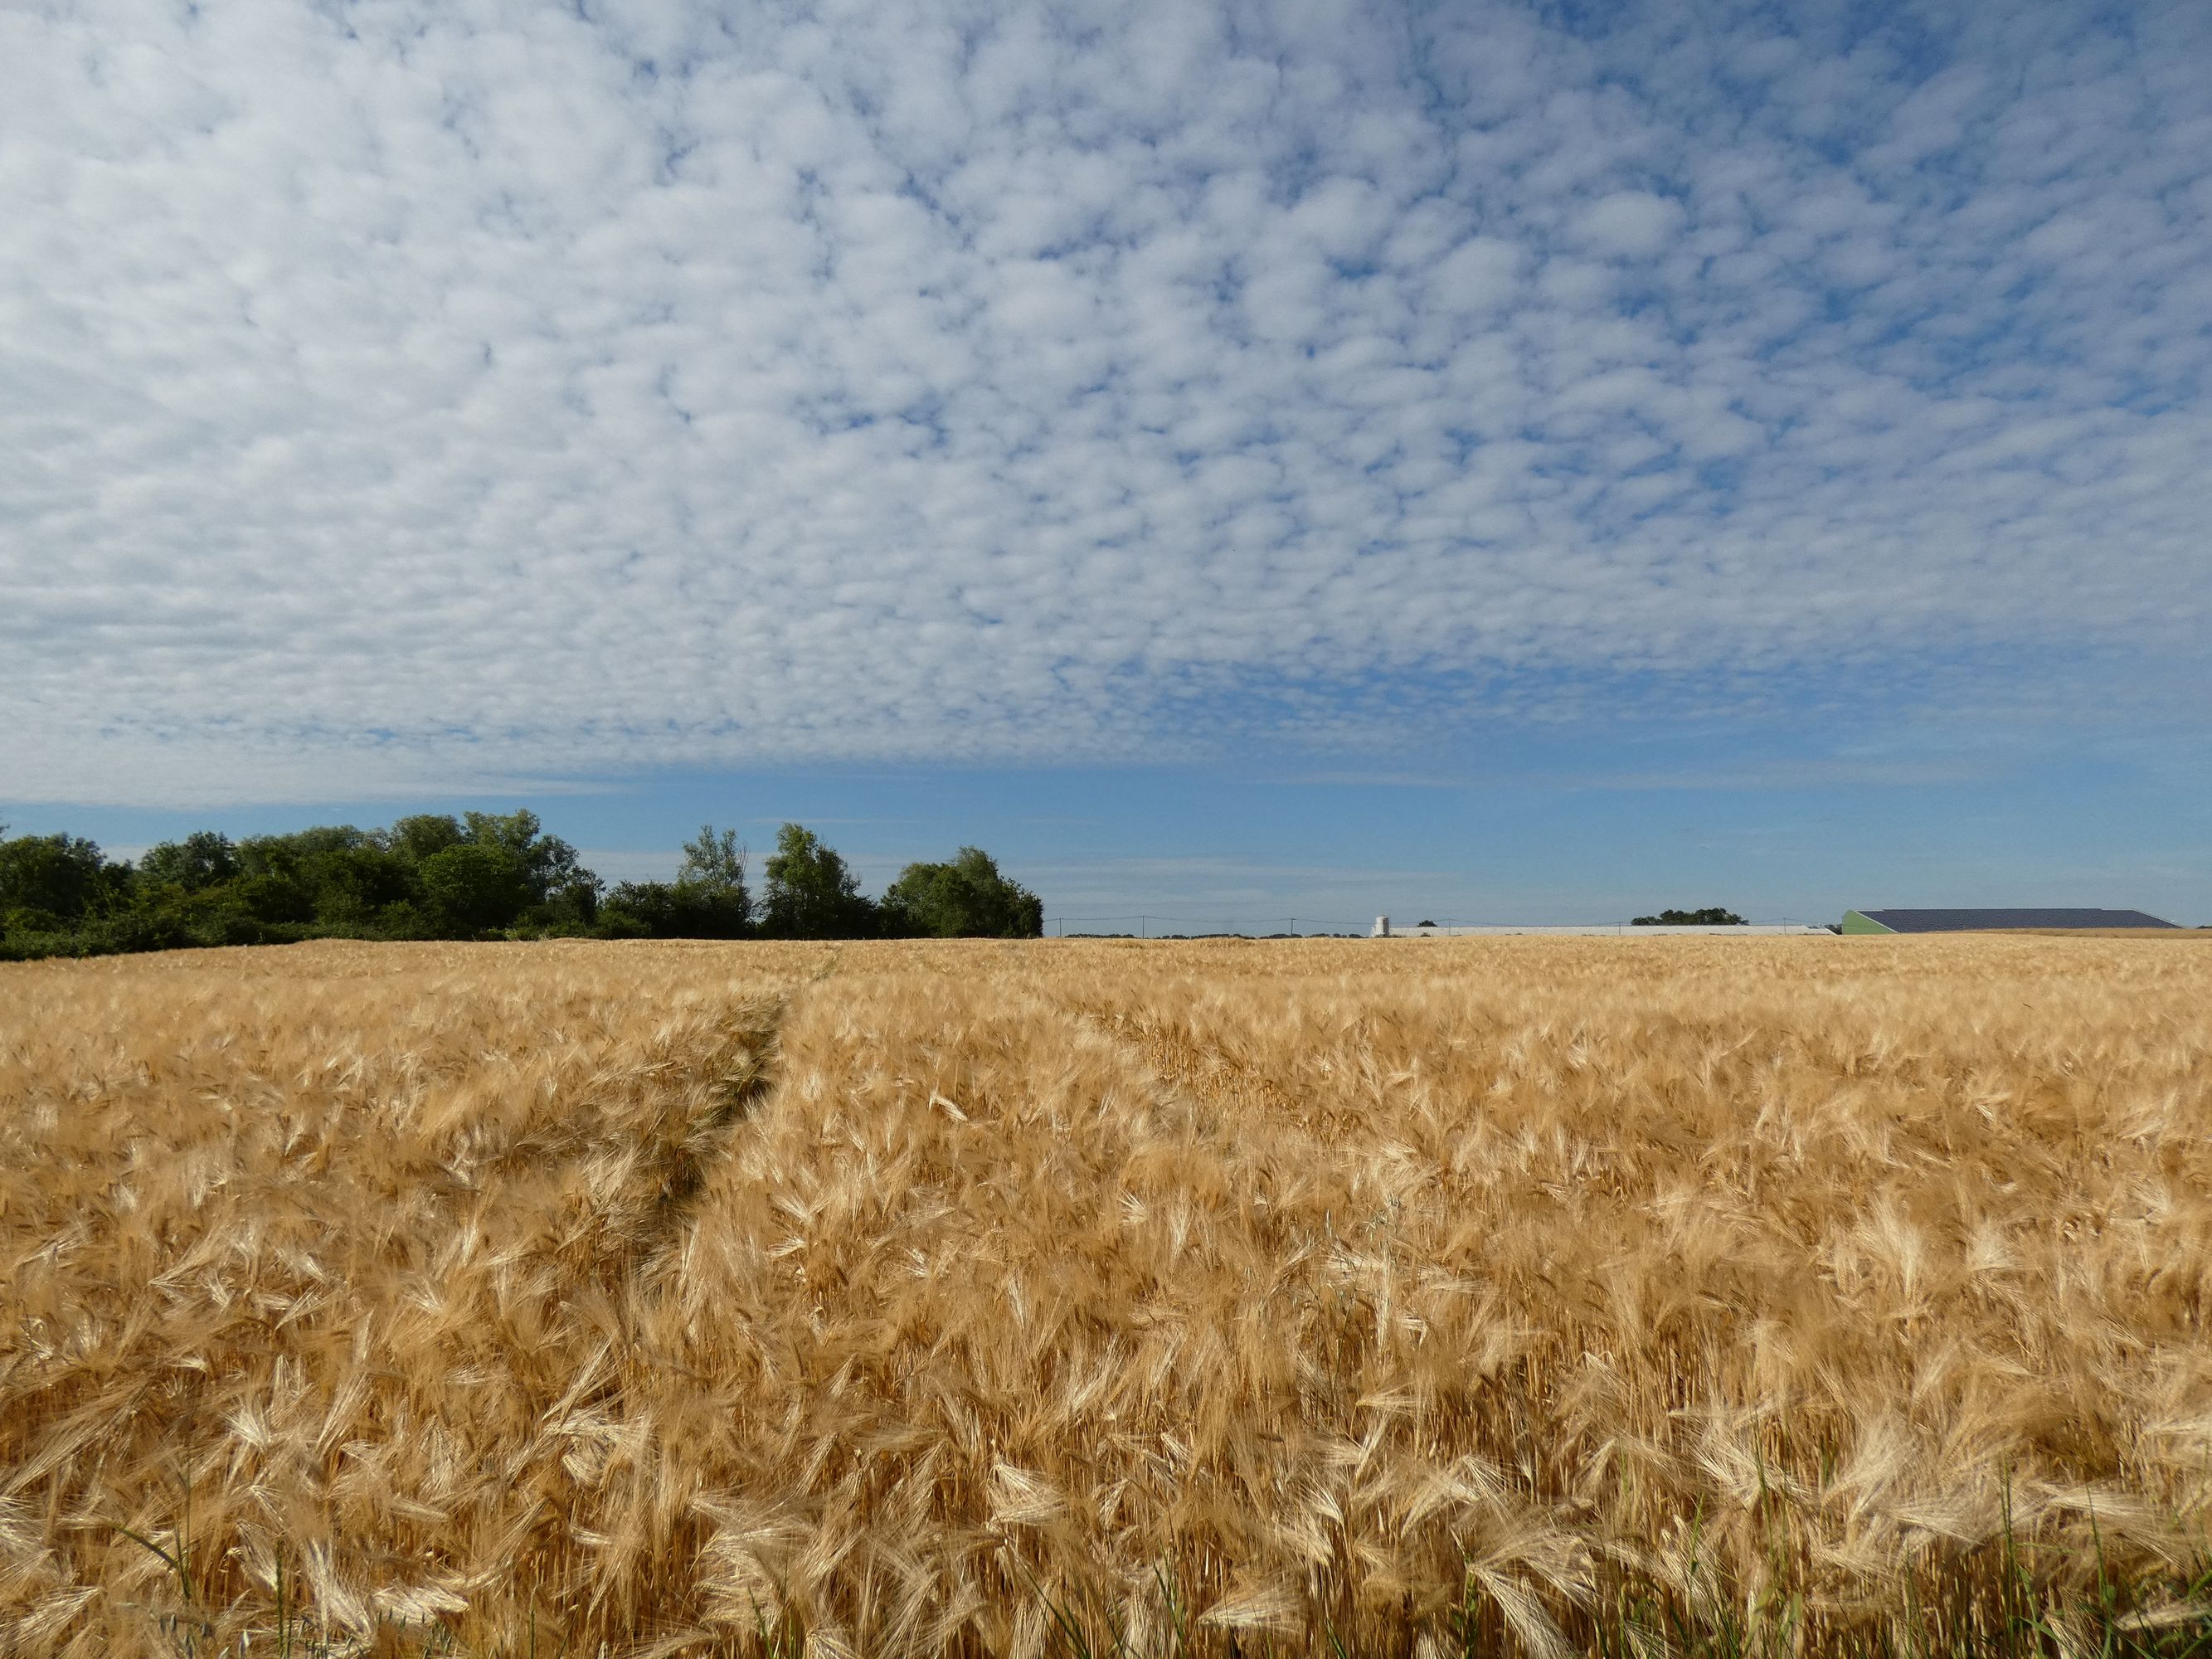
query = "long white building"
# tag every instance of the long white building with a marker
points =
(1737, 930)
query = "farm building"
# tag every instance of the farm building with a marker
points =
(1968, 921)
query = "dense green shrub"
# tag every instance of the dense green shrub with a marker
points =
(966, 898)
(675, 909)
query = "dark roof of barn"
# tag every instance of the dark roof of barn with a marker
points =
(1955, 921)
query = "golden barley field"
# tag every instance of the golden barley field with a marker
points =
(1516, 1295)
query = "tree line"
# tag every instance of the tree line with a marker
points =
(481, 875)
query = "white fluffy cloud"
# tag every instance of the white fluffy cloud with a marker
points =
(397, 395)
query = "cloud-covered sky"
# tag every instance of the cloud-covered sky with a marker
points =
(401, 398)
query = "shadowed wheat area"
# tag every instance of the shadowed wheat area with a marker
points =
(1803, 1296)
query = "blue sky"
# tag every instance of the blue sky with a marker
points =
(1501, 462)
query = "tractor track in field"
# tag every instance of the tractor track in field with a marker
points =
(709, 1135)
(736, 1093)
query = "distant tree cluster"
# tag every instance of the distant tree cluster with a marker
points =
(1712, 917)
(480, 876)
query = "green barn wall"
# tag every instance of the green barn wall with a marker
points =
(1855, 923)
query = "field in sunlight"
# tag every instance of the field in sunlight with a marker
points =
(1799, 1296)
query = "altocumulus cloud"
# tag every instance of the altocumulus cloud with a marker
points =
(403, 395)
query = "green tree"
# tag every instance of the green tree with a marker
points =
(1713, 917)
(809, 893)
(331, 876)
(708, 899)
(470, 887)
(573, 906)
(422, 835)
(561, 892)
(200, 860)
(237, 912)
(674, 909)
(548, 865)
(59, 895)
(64, 877)
(714, 858)
(966, 898)
(354, 879)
